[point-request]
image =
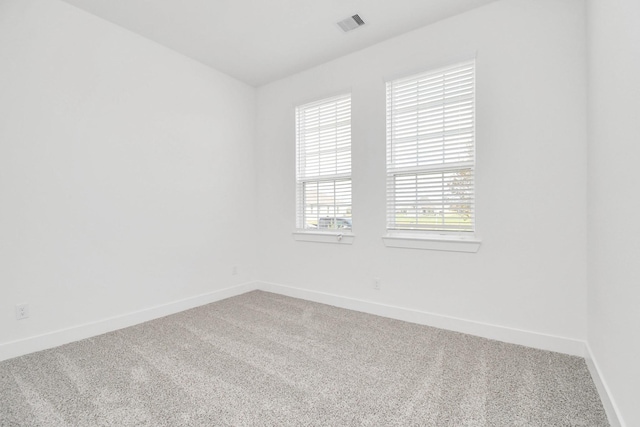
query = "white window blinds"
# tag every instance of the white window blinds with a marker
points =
(323, 155)
(431, 150)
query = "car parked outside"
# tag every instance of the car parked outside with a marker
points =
(334, 223)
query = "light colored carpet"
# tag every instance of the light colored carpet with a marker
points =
(262, 359)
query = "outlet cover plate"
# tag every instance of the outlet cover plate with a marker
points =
(22, 311)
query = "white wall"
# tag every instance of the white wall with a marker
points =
(127, 176)
(614, 183)
(530, 272)
(126, 171)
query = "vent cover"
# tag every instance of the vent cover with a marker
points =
(351, 23)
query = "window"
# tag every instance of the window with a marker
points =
(323, 155)
(431, 151)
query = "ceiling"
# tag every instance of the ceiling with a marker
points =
(259, 41)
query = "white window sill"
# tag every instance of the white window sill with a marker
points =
(432, 242)
(324, 237)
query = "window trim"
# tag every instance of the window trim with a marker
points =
(332, 235)
(436, 242)
(458, 241)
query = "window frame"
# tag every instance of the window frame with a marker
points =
(437, 238)
(342, 175)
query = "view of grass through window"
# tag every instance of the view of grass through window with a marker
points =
(431, 150)
(323, 154)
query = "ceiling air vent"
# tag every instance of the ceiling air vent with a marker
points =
(351, 23)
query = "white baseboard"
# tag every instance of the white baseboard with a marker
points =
(28, 345)
(515, 336)
(613, 413)
(500, 333)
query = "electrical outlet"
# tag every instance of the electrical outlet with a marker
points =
(234, 270)
(376, 283)
(22, 311)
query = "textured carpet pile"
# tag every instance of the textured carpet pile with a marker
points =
(262, 359)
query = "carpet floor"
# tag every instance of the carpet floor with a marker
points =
(261, 359)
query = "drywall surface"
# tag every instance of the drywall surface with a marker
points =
(613, 229)
(125, 171)
(530, 271)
